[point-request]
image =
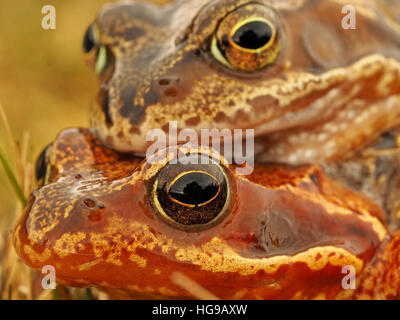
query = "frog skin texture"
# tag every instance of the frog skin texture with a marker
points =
(99, 217)
(314, 92)
(319, 97)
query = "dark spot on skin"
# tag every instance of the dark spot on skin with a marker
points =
(241, 116)
(103, 100)
(192, 122)
(135, 131)
(109, 141)
(127, 96)
(221, 117)
(314, 178)
(133, 33)
(384, 166)
(150, 98)
(265, 105)
(163, 82)
(78, 176)
(135, 113)
(260, 273)
(165, 128)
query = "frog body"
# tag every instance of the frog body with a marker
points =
(315, 93)
(104, 219)
(313, 90)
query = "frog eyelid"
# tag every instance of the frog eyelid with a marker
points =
(101, 60)
(217, 54)
(98, 52)
(101, 55)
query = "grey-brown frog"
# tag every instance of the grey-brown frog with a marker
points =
(313, 88)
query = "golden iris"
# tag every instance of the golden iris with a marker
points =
(248, 39)
(191, 196)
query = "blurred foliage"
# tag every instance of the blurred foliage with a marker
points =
(45, 85)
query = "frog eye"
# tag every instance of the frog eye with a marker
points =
(248, 39)
(98, 55)
(90, 40)
(42, 168)
(192, 196)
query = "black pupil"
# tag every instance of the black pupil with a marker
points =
(89, 41)
(194, 188)
(253, 35)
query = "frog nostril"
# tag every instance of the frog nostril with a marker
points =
(169, 81)
(164, 82)
(95, 208)
(92, 204)
(169, 86)
(89, 203)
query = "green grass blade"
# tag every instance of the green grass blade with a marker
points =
(89, 295)
(56, 295)
(9, 292)
(12, 179)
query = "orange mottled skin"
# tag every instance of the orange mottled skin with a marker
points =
(287, 233)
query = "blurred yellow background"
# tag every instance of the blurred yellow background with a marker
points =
(45, 85)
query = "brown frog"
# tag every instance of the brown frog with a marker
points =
(312, 90)
(375, 171)
(111, 220)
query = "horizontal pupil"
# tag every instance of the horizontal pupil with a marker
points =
(194, 188)
(253, 35)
